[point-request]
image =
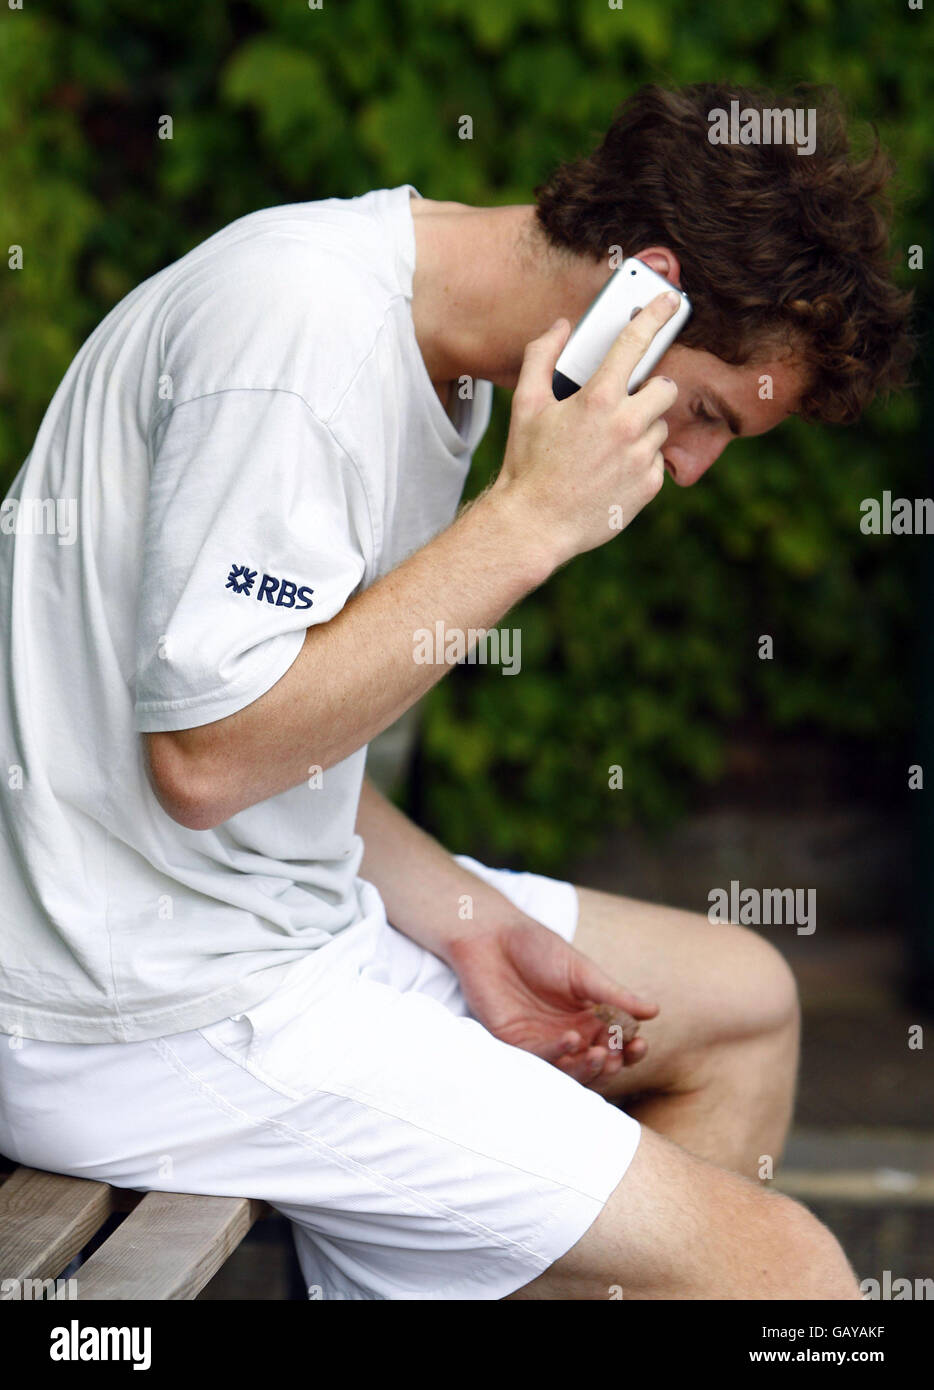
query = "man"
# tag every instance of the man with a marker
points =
(267, 442)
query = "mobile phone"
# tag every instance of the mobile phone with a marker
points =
(631, 286)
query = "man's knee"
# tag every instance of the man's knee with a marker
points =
(750, 996)
(761, 990)
(677, 1227)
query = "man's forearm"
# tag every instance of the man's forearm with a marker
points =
(428, 895)
(356, 674)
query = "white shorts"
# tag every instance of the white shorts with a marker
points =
(416, 1155)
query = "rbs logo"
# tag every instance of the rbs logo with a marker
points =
(280, 592)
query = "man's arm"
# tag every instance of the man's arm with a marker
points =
(517, 976)
(566, 465)
(355, 675)
(422, 885)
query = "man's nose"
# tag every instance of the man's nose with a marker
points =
(686, 465)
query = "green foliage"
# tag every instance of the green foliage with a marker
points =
(639, 654)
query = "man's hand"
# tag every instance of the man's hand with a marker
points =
(520, 980)
(532, 990)
(568, 462)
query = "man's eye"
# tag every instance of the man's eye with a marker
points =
(701, 413)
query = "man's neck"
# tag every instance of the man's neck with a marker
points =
(485, 284)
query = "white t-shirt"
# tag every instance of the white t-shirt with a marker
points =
(248, 439)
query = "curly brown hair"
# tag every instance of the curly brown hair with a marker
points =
(775, 246)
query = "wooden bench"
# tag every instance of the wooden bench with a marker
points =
(168, 1246)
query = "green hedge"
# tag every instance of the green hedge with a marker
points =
(639, 654)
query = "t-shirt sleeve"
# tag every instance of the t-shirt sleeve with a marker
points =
(257, 527)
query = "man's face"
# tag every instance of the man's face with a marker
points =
(718, 402)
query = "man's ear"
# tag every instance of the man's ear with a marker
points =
(663, 260)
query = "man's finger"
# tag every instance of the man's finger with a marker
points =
(583, 1066)
(632, 344)
(634, 1051)
(538, 365)
(634, 1004)
(602, 993)
(560, 1047)
(651, 402)
(614, 996)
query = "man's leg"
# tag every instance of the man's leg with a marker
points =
(677, 1227)
(719, 1076)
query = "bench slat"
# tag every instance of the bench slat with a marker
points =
(170, 1245)
(45, 1219)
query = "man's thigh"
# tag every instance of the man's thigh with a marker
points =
(678, 1227)
(715, 983)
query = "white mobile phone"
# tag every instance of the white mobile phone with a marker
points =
(629, 288)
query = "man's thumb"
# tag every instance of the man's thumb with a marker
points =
(541, 354)
(557, 334)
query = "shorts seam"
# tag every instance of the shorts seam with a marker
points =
(565, 1182)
